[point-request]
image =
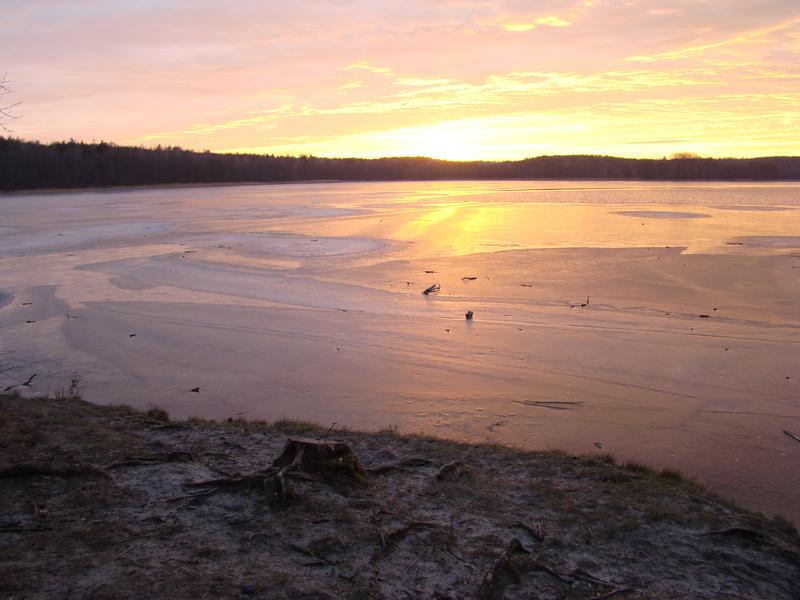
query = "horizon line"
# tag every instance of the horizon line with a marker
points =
(678, 155)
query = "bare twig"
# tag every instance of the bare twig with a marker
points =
(132, 461)
(16, 529)
(740, 532)
(399, 465)
(5, 111)
(34, 470)
(26, 383)
(612, 593)
(193, 495)
(309, 553)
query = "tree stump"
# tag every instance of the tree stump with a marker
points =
(333, 460)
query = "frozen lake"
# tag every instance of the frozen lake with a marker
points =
(305, 301)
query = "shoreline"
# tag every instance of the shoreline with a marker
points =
(171, 186)
(104, 501)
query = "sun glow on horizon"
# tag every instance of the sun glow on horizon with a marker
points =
(517, 136)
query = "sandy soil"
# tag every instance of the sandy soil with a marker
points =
(304, 301)
(99, 502)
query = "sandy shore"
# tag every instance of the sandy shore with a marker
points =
(304, 301)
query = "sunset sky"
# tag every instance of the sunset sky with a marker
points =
(456, 79)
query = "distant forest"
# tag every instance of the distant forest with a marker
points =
(32, 165)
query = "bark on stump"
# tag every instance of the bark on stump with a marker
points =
(333, 460)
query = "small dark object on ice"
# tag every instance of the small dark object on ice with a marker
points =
(432, 289)
(131, 335)
(69, 316)
(27, 303)
(704, 316)
(429, 272)
(30, 321)
(468, 278)
(469, 315)
(582, 304)
(195, 390)
(791, 435)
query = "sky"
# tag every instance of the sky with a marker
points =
(454, 79)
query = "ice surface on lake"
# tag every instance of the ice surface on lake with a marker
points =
(661, 317)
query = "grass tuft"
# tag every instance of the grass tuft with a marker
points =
(673, 475)
(296, 426)
(159, 414)
(71, 392)
(635, 467)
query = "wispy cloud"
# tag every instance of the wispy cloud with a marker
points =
(744, 38)
(365, 65)
(541, 21)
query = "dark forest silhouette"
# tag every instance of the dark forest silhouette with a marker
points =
(32, 165)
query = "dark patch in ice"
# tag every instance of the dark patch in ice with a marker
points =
(661, 214)
(769, 241)
(126, 283)
(5, 298)
(753, 208)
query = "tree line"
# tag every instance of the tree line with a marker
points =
(26, 165)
